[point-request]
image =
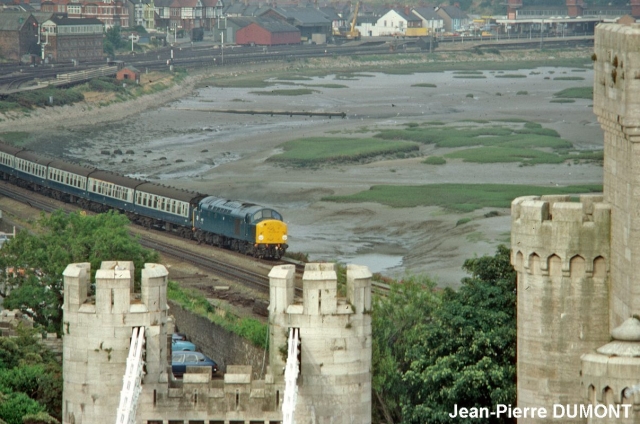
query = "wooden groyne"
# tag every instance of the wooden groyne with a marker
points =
(271, 112)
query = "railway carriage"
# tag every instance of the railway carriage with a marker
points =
(157, 205)
(7, 159)
(244, 227)
(68, 181)
(31, 170)
(111, 191)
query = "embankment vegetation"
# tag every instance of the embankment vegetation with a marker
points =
(456, 197)
(317, 151)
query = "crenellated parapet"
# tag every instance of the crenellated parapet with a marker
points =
(335, 379)
(560, 250)
(97, 331)
(335, 340)
(553, 226)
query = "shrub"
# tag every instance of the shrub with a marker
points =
(522, 93)
(41, 98)
(435, 160)
(105, 85)
(462, 221)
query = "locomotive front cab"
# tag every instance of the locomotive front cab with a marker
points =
(271, 232)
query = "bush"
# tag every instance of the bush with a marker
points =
(105, 85)
(435, 160)
(40, 98)
(462, 221)
(522, 93)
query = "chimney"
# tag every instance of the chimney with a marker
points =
(575, 7)
(635, 8)
(407, 11)
(512, 7)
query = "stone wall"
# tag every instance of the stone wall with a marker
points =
(224, 347)
(616, 102)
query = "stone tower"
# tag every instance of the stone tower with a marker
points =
(578, 264)
(610, 374)
(97, 336)
(334, 385)
(560, 250)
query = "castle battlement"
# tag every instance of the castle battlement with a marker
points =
(548, 227)
(335, 339)
(114, 288)
(335, 358)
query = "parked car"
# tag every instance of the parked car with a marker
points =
(181, 360)
(182, 345)
(178, 336)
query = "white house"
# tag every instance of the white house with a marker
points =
(394, 22)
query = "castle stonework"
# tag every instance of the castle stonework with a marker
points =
(578, 264)
(334, 385)
(560, 252)
(335, 380)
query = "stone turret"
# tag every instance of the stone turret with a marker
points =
(616, 102)
(610, 376)
(560, 250)
(334, 385)
(97, 335)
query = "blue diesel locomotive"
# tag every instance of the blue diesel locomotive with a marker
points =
(244, 227)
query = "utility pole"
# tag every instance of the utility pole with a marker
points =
(541, 32)
(222, 47)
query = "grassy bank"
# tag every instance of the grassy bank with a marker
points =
(323, 150)
(456, 197)
(193, 300)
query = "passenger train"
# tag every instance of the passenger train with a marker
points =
(244, 227)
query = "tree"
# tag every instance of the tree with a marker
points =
(113, 41)
(38, 260)
(468, 356)
(398, 321)
(30, 380)
(114, 37)
(461, 351)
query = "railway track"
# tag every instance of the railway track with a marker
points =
(12, 77)
(221, 267)
(251, 279)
